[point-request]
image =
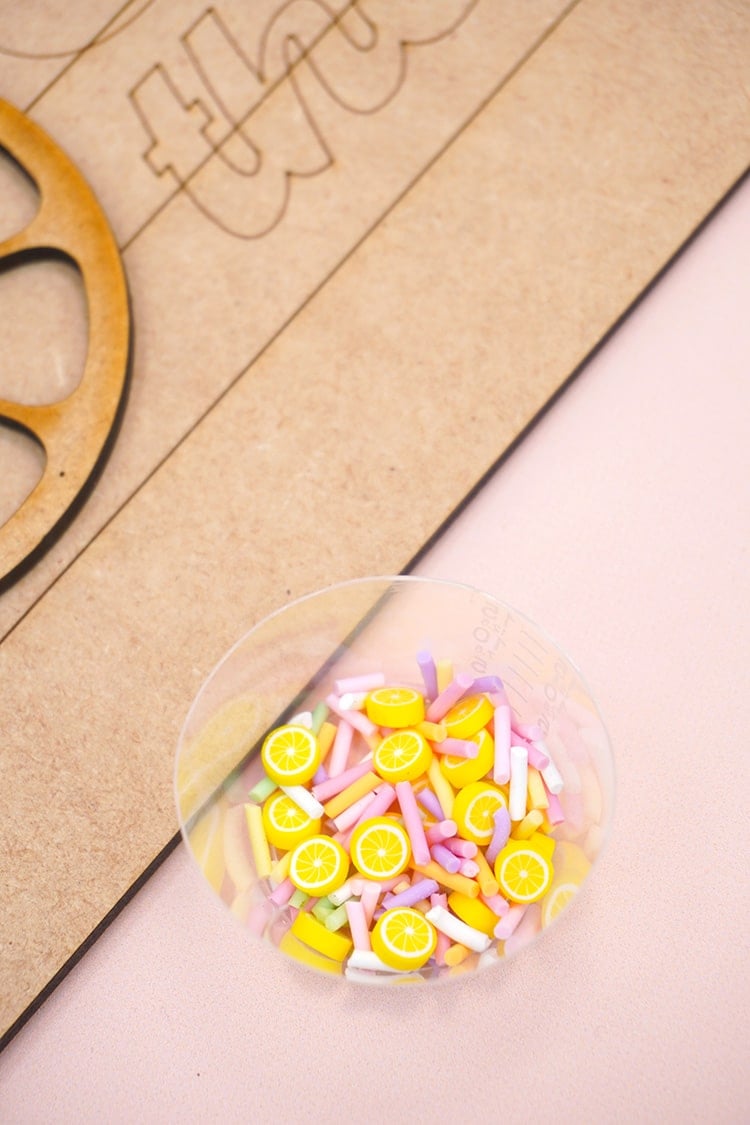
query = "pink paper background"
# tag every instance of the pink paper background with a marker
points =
(622, 525)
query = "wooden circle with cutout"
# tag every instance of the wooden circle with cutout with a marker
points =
(75, 432)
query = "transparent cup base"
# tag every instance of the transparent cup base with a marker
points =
(290, 661)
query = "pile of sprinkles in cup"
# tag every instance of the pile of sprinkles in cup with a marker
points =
(402, 828)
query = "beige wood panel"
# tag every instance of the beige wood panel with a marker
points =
(220, 260)
(355, 432)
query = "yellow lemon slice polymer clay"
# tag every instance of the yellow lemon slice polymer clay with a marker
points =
(404, 939)
(468, 716)
(524, 873)
(286, 824)
(560, 896)
(380, 848)
(291, 946)
(473, 912)
(318, 866)
(290, 754)
(462, 771)
(571, 862)
(314, 934)
(474, 810)
(402, 756)
(395, 707)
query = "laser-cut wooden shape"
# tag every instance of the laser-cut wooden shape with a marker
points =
(75, 432)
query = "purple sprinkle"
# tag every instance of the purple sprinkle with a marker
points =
(499, 836)
(423, 888)
(429, 801)
(429, 673)
(445, 858)
(490, 684)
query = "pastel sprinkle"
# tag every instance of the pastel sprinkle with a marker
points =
(364, 683)
(499, 836)
(457, 930)
(429, 673)
(455, 690)
(419, 890)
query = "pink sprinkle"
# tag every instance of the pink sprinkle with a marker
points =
(281, 895)
(340, 750)
(501, 768)
(507, 924)
(497, 904)
(383, 798)
(454, 691)
(429, 673)
(357, 719)
(334, 785)
(344, 838)
(464, 849)
(526, 929)
(443, 941)
(437, 833)
(413, 822)
(499, 836)
(555, 814)
(469, 868)
(357, 885)
(369, 899)
(416, 892)
(442, 945)
(530, 731)
(351, 816)
(356, 684)
(430, 803)
(445, 858)
(457, 748)
(259, 917)
(536, 756)
(357, 923)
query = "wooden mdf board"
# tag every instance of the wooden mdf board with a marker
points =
(275, 443)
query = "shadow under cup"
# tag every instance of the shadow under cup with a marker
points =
(290, 662)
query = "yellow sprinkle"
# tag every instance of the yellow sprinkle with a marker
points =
(537, 793)
(280, 869)
(488, 884)
(352, 793)
(442, 787)
(530, 824)
(326, 735)
(444, 669)
(258, 841)
(434, 732)
(456, 882)
(455, 954)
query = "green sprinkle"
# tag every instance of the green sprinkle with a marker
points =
(262, 789)
(319, 716)
(336, 919)
(298, 899)
(322, 909)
